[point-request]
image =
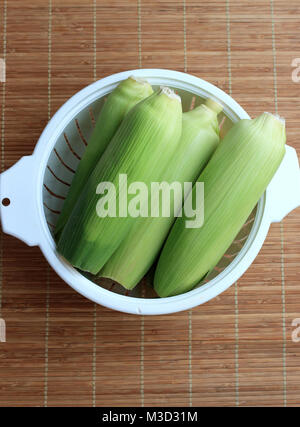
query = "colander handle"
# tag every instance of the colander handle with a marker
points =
(283, 193)
(19, 212)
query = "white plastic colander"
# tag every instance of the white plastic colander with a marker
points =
(33, 190)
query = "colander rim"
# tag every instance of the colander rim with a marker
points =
(129, 304)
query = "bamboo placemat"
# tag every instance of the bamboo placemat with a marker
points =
(61, 349)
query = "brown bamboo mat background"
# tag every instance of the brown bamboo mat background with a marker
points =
(61, 349)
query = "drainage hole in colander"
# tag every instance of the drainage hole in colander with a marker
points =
(5, 202)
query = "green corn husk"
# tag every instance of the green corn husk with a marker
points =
(141, 148)
(137, 252)
(234, 180)
(125, 96)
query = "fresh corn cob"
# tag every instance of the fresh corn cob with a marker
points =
(127, 94)
(137, 252)
(234, 179)
(141, 148)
